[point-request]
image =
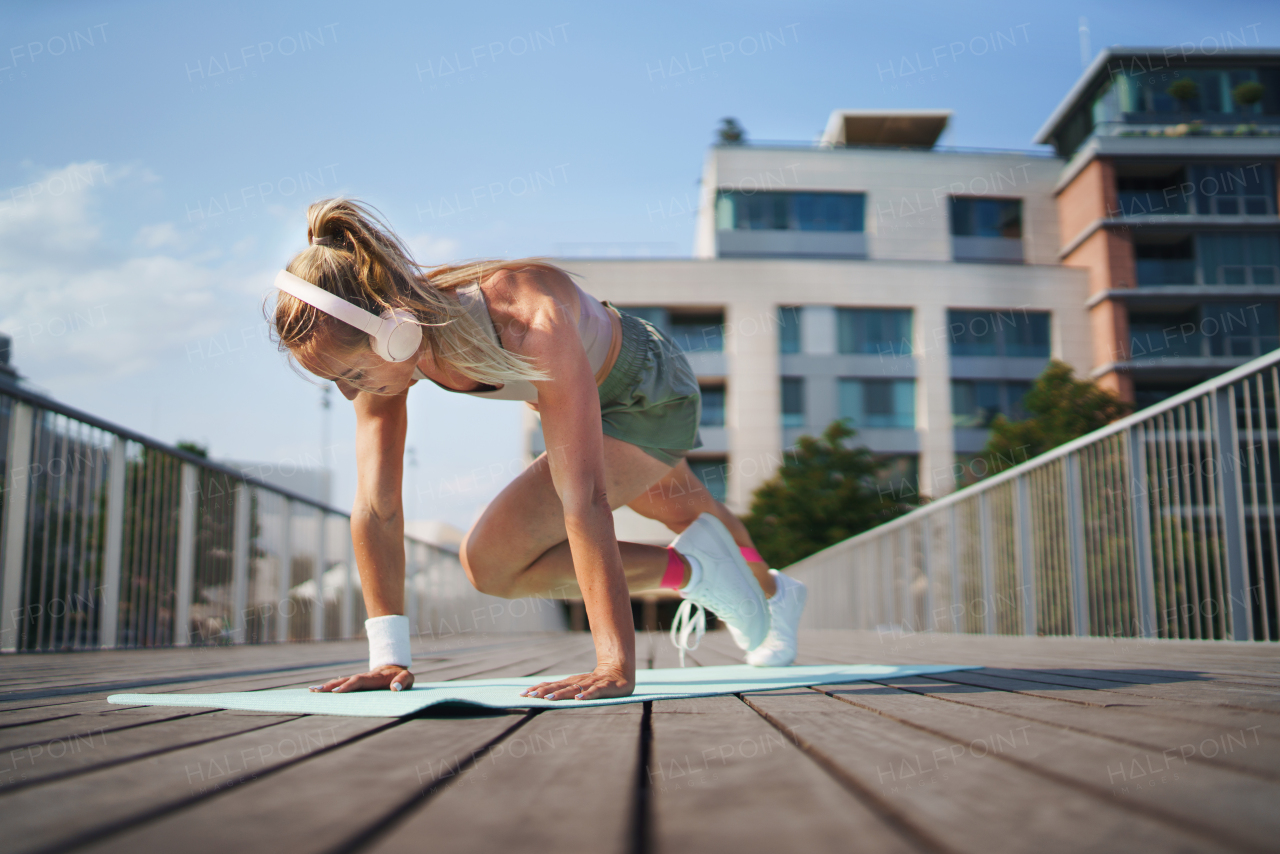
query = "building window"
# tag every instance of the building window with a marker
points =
(1174, 332)
(1162, 260)
(1239, 259)
(1237, 329)
(1213, 92)
(976, 403)
(712, 406)
(714, 474)
(789, 329)
(1145, 194)
(1233, 190)
(654, 314)
(1205, 189)
(876, 331)
(1230, 329)
(1211, 258)
(1013, 333)
(878, 404)
(793, 402)
(697, 332)
(771, 211)
(983, 217)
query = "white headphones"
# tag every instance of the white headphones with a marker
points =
(395, 336)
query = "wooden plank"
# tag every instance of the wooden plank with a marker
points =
(1151, 676)
(277, 677)
(207, 666)
(565, 782)
(944, 648)
(974, 803)
(1153, 723)
(1216, 694)
(84, 725)
(117, 747)
(43, 763)
(723, 780)
(1179, 788)
(328, 801)
(37, 816)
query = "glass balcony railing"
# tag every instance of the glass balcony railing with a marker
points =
(1153, 272)
(1220, 125)
(1151, 203)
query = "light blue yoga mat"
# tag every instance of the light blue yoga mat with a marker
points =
(504, 693)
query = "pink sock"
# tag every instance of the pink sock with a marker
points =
(750, 555)
(673, 578)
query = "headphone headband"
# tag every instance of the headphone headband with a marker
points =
(395, 336)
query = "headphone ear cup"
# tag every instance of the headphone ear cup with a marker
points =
(399, 338)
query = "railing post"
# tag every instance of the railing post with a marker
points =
(1075, 543)
(926, 564)
(884, 571)
(13, 528)
(1233, 535)
(988, 571)
(410, 570)
(1026, 555)
(284, 581)
(1140, 516)
(186, 556)
(348, 614)
(240, 563)
(317, 611)
(957, 596)
(905, 598)
(108, 618)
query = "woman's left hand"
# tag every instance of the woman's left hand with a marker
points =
(604, 681)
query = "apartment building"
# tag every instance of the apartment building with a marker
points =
(912, 290)
(1168, 201)
(917, 290)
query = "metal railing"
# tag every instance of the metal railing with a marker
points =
(1046, 153)
(1160, 525)
(110, 539)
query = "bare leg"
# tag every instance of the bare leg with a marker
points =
(519, 548)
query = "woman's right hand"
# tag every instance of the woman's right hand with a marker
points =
(391, 676)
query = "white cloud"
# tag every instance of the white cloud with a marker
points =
(160, 235)
(80, 300)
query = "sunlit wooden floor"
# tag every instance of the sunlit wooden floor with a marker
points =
(1058, 745)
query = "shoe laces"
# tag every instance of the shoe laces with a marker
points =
(686, 623)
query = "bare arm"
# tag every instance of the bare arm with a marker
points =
(377, 516)
(570, 406)
(377, 523)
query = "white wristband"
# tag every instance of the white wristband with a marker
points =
(388, 641)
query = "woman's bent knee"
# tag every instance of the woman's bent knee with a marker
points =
(486, 571)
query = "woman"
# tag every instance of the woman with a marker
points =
(619, 406)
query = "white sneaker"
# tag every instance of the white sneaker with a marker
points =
(727, 585)
(785, 608)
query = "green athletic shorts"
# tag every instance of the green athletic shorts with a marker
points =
(650, 398)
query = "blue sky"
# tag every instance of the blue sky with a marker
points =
(157, 160)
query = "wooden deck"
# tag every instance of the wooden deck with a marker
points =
(1058, 745)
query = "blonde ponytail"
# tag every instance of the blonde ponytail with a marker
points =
(360, 259)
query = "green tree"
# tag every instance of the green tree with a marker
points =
(1184, 91)
(824, 493)
(1061, 408)
(1248, 93)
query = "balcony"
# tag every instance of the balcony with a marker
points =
(762, 243)
(1154, 272)
(991, 250)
